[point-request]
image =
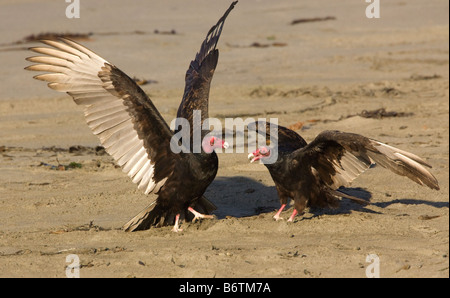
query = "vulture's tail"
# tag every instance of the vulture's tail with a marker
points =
(152, 216)
(354, 199)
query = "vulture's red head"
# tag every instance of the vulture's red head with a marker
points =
(210, 143)
(261, 153)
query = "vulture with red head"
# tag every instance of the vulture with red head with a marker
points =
(133, 131)
(311, 174)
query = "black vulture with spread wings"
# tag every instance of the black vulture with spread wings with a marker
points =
(311, 174)
(132, 130)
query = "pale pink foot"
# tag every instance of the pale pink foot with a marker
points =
(277, 215)
(176, 227)
(198, 215)
(294, 213)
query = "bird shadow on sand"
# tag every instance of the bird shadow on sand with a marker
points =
(241, 196)
(408, 201)
(347, 206)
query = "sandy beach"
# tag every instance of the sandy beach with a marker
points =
(386, 78)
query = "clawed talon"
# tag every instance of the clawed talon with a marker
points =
(277, 217)
(201, 216)
(198, 215)
(176, 227)
(291, 218)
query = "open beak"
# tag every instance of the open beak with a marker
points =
(254, 156)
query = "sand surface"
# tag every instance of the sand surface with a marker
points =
(312, 76)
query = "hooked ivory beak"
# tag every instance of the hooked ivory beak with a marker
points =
(225, 145)
(252, 157)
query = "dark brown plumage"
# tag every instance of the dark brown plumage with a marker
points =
(132, 130)
(311, 174)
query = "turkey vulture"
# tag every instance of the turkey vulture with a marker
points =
(132, 130)
(312, 173)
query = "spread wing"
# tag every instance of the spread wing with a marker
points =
(200, 73)
(116, 109)
(338, 158)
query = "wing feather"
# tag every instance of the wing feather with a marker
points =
(340, 157)
(104, 113)
(116, 109)
(136, 163)
(199, 74)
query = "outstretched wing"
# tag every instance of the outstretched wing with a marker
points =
(200, 73)
(286, 139)
(116, 109)
(338, 158)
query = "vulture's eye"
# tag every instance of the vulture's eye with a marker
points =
(264, 151)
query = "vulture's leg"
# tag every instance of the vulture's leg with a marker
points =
(277, 215)
(198, 215)
(300, 202)
(176, 227)
(294, 213)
